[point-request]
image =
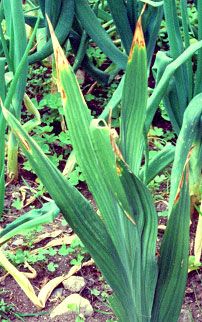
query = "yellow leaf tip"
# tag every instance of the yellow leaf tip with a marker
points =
(59, 54)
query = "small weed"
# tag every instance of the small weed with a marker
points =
(89, 97)
(64, 250)
(22, 256)
(162, 36)
(96, 55)
(17, 203)
(76, 176)
(159, 137)
(78, 260)
(39, 79)
(76, 249)
(52, 267)
(95, 292)
(6, 310)
(193, 265)
(159, 182)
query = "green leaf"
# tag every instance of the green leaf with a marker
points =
(51, 252)
(95, 292)
(64, 137)
(62, 29)
(161, 88)
(188, 140)
(114, 101)
(177, 48)
(52, 100)
(91, 141)
(134, 102)
(64, 251)
(17, 204)
(119, 13)
(52, 267)
(31, 219)
(173, 260)
(93, 27)
(158, 163)
(78, 260)
(76, 210)
(145, 216)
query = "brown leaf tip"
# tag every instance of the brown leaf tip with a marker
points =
(138, 39)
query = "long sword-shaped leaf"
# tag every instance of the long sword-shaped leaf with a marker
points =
(161, 62)
(88, 157)
(4, 43)
(76, 210)
(53, 10)
(20, 67)
(126, 215)
(7, 101)
(93, 150)
(185, 26)
(119, 13)
(76, 111)
(190, 132)
(20, 43)
(173, 261)
(198, 84)
(114, 101)
(151, 24)
(141, 202)
(2, 136)
(62, 30)
(101, 140)
(161, 88)
(93, 27)
(134, 102)
(132, 9)
(176, 48)
(158, 163)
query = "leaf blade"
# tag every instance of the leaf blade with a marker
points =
(134, 102)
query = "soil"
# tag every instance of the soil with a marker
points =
(11, 293)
